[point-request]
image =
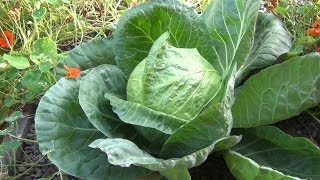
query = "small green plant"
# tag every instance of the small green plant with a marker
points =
(33, 37)
(299, 17)
(32, 33)
(167, 88)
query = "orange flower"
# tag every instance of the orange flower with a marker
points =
(6, 39)
(314, 31)
(316, 24)
(72, 72)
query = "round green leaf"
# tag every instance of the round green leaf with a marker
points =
(39, 13)
(8, 145)
(7, 129)
(9, 101)
(45, 66)
(29, 96)
(35, 81)
(14, 116)
(12, 73)
(18, 62)
(44, 49)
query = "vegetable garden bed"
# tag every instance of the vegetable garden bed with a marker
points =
(173, 93)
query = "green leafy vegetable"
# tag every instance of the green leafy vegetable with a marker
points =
(162, 94)
(66, 134)
(267, 146)
(270, 41)
(278, 92)
(17, 61)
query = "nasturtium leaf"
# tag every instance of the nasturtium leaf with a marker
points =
(44, 49)
(64, 133)
(57, 3)
(36, 81)
(138, 29)
(282, 10)
(269, 147)
(11, 73)
(16, 115)
(278, 92)
(270, 41)
(19, 62)
(125, 153)
(3, 116)
(29, 96)
(9, 101)
(8, 145)
(231, 24)
(100, 80)
(30, 76)
(39, 13)
(7, 130)
(45, 66)
(3, 66)
(137, 114)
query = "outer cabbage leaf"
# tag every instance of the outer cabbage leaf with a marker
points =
(141, 26)
(64, 133)
(89, 55)
(278, 92)
(246, 169)
(176, 174)
(125, 153)
(270, 41)
(277, 152)
(94, 53)
(231, 24)
(100, 80)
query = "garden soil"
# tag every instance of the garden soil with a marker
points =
(38, 165)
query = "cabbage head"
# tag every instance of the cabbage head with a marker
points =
(162, 93)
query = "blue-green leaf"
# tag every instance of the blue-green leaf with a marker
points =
(231, 25)
(268, 153)
(137, 114)
(270, 41)
(141, 26)
(64, 133)
(278, 92)
(125, 153)
(100, 80)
